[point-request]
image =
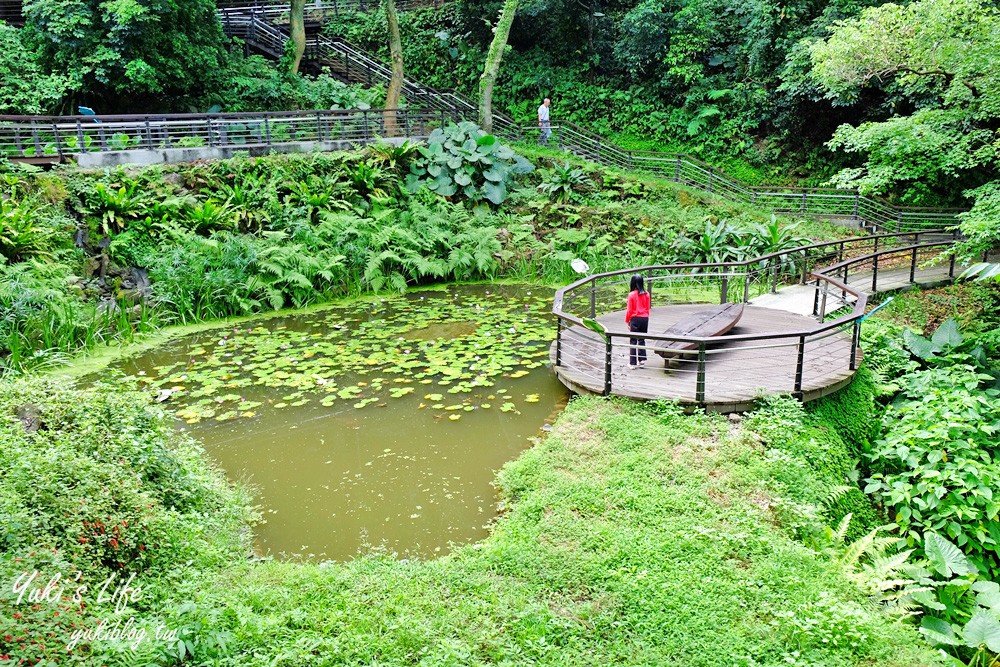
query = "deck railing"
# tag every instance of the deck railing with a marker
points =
(56, 136)
(593, 365)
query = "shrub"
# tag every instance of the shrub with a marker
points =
(97, 484)
(940, 470)
(463, 161)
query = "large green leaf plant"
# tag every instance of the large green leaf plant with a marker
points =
(464, 162)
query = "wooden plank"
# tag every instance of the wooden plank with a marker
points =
(736, 372)
(713, 321)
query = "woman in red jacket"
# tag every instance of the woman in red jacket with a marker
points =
(637, 319)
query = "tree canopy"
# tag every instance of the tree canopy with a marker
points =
(140, 50)
(937, 60)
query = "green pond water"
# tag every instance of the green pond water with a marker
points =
(376, 424)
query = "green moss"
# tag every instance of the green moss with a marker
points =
(852, 412)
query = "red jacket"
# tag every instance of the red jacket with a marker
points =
(638, 306)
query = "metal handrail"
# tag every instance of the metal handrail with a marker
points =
(827, 281)
(35, 136)
(689, 171)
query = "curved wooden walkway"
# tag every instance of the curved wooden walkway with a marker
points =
(736, 373)
(784, 344)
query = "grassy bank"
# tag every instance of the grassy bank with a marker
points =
(632, 534)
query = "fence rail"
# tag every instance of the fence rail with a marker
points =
(57, 136)
(792, 354)
(689, 171)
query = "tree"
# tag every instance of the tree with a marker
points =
(493, 57)
(938, 57)
(297, 30)
(396, 54)
(135, 53)
(26, 88)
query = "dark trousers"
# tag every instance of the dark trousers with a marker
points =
(637, 346)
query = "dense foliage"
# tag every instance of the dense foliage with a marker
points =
(935, 62)
(932, 465)
(92, 257)
(98, 487)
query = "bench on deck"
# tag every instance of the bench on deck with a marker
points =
(713, 321)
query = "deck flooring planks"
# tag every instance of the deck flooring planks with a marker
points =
(735, 373)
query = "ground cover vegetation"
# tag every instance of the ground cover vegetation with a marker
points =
(633, 533)
(89, 257)
(921, 433)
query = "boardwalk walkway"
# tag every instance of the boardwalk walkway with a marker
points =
(735, 372)
(800, 339)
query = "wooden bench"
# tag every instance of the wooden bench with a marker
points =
(713, 321)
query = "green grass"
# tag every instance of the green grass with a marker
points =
(632, 535)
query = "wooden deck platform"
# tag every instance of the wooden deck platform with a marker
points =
(735, 373)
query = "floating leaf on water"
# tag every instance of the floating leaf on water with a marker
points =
(518, 374)
(454, 418)
(531, 398)
(507, 407)
(433, 397)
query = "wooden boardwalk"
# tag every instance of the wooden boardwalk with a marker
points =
(735, 373)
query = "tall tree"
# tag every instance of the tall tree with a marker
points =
(493, 57)
(134, 54)
(396, 82)
(297, 30)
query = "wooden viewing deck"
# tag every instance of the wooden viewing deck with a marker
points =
(784, 343)
(737, 371)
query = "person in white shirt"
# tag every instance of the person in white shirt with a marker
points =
(543, 123)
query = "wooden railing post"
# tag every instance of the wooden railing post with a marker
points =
(875, 273)
(593, 300)
(855, 341)
(799, 365)
(913, 264)
(559, 330)
(58, 140)
(805, 267)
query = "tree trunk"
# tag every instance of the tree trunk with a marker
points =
(492, 68)
(396, 82)
(297, 29)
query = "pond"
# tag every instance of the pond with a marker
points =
(378, 424)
